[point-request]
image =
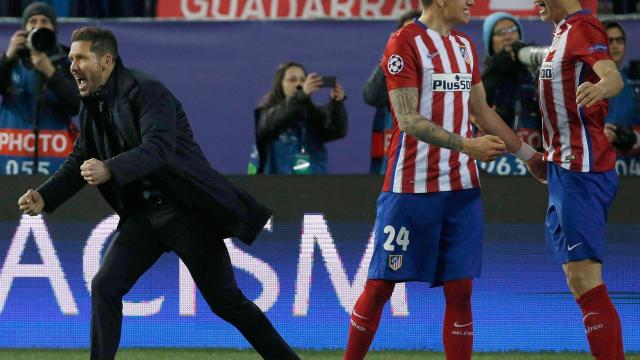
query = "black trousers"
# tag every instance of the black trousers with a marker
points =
(141, 239)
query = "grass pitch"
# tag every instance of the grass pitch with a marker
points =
(202, 354)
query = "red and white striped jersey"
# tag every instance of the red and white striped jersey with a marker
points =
(574, 136)
(443, 69)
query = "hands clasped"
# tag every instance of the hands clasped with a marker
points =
(484, 148)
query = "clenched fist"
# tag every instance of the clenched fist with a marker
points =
(31, 203)
(95, 172)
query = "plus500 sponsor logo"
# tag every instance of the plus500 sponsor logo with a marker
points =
(451, 82)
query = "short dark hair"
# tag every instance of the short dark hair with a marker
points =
(409, 15)
(610, 24)
(426, 3)
(102, 40)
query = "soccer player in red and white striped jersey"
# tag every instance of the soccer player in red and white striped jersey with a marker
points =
(576, 78)
(429, 214)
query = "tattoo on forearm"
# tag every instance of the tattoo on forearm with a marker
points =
(406, 104)
(454, 142)
(405, 107)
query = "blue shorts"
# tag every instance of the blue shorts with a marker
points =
(432, 237)
(577, 213)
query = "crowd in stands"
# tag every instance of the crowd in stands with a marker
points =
(147, 8)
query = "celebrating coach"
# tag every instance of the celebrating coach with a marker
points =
(136, 146)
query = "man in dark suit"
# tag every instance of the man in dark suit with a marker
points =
(136, 146)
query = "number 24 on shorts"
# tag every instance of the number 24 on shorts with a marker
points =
(402, 239)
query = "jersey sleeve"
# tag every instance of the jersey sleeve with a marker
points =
(399, 64)
(590, 43)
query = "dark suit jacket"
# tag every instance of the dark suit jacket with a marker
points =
(152, 125)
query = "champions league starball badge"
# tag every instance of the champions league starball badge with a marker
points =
(395, 64)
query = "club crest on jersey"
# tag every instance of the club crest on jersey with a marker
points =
(451, 82)
(465, 54)
(395, 64)
(395, 262)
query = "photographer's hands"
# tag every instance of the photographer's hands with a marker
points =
(337, 93)
(39, 59)
(623, 138)
(18, 42)
(42, 63)
(312, 83)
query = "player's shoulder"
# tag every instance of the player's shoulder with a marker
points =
(585, 21)
(406, 34)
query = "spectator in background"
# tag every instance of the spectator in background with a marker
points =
(86, 8)
(11, 8)
(618, 6)
(510, 85)
(113, 8)
(623, 120)
(291, 130)
(39, 97)
(375, 94)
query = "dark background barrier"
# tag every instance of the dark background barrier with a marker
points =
(221, 70)
(306, 270)
(340, 197)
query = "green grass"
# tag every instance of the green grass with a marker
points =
(201, 354)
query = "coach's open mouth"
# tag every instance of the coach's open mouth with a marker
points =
(81, 81)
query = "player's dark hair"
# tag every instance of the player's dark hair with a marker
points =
(102, 40)
(610, 24)
(276, 94)
(426, 3)
(409, 15)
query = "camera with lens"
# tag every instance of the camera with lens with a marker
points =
(529, 55)
(42, 39)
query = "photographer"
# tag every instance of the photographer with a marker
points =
(291, 130)
(509, 84)
(622, 124)
(39, 97)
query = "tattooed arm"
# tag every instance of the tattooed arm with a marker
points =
(404, 102)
